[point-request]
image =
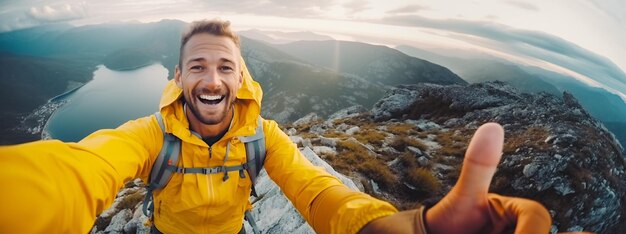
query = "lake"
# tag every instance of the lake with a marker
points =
(109, 100)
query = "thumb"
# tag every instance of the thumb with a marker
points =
(481, 159)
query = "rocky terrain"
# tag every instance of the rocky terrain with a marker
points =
(409, 147)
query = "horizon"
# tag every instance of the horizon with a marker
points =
(568, 37)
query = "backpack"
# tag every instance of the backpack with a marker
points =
(166, 161)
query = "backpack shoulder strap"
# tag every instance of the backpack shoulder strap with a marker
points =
(255, 153)
(159, 176)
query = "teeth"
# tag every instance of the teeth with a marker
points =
(210, 97)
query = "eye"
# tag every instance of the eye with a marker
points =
(226, 69)
(196, 68)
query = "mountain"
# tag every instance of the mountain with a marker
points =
(473, 67)
(378, 64)
(278, 37)
(409, 147)
(476, 70)
(27, 82)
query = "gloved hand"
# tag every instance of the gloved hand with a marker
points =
(469, 208)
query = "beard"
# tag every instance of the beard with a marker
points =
(213, 117)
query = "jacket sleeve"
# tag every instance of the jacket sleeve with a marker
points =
(56, 187)
(326, 204)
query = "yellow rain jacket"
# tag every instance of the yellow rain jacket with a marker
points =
(56, 187)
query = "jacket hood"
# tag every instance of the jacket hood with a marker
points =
(248, 101)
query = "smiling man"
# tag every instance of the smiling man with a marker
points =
(211, 105)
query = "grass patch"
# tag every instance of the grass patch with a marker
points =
(335, 134)
(401, 142)
(401, 128)
(408, 160)
(533, 137)
(371, 136)
(378, 172)
(130, 201)
(423, 180)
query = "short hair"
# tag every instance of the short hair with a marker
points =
(216, 27)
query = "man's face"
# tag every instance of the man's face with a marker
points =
(210, 77)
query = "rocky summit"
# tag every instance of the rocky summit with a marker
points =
(408, 150)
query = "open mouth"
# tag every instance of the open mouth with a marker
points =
(211, 99)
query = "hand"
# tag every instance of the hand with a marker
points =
(469, 208)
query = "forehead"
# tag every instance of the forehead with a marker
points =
(204, 44)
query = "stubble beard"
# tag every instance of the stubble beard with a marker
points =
(213, 120)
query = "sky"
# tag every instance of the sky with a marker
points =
(581, 38)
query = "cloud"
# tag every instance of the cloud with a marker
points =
(20, 15)
(523, 5)
(284, 8)
(61, 12)
(526, 43)
(407, 9)
(612, 8)
(356, 6)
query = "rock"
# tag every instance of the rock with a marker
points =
(427, 125)
(119, 221)
(291, 131)
(530, 169)
(324, 150)
(414, 150)
(296, 139)
(347, 112)
(423, 161)
(396, 100)
(353, 130)
(137, 223)
(332, 142)
(575, 229)
(307, 119)
(375, 187)
(273, 213)
(307, 143)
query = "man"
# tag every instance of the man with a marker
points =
(57, 187)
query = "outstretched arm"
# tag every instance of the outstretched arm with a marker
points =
(469, 208)
(57, 187)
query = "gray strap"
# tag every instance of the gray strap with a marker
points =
(251, 221)
(207, 170)
(255, 153)
(159, 176)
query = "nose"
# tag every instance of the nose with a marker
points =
(212, 79)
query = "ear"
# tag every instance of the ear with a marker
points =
(177, 77)
(241, 78)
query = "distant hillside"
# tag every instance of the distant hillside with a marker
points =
(278, 37)
(603, 105)
(379, 64)
(476, 70)
(27, 82)
(293, 88)
(99, 42)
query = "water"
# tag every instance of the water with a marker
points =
(110, 99)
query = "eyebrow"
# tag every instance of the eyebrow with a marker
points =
(201, 59)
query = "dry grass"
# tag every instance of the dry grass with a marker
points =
(423, 180)
(401, 142)
(401, 128)
(353, 156)
(453, 143)
(371, 136)
(378, 172)
(335, 134)
(130, 201)
(408, 160)
(532, 137)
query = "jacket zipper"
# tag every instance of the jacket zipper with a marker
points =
(210, 151)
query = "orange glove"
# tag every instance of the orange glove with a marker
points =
(469, 208)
